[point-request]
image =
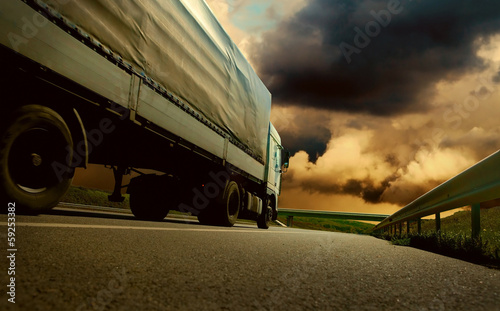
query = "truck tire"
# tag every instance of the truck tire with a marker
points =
(207, 219)
(151, 197)
(224, 210)
(229, 205)
(264, 219)
(35, 153)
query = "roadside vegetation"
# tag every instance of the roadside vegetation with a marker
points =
(334, 225)
(86, 196)
(455, 238)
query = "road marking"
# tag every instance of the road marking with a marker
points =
(58, 225)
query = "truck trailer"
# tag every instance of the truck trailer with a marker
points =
(135, 85)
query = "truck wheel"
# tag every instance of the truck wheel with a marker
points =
(229, 205)
(34, 152)
(224, 210)
(264, 219)
(150, 197)
(206, 218)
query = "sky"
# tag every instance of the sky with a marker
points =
(378, 101)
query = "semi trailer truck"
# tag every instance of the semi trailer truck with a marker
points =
(135, 85)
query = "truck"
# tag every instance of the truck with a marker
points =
(135, 86)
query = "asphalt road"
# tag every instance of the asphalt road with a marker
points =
(82, 260)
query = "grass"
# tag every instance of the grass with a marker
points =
(460, 223)
(455, 238)
(324, 224)
(86, 196)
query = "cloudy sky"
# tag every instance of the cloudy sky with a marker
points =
(379, 101)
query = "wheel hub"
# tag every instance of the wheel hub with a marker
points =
(270, 213)
(36, 159)
(30, 157)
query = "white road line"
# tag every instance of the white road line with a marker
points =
(58, 225)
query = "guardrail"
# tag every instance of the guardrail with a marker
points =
(477, 186)
(290, 213)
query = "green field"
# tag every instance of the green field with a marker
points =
(335, 225)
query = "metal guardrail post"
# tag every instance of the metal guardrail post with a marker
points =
(438, 222)
(476, 219)
(289, 221)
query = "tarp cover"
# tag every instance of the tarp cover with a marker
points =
(181, 45)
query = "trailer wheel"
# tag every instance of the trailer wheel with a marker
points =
(229, 205)
(205, 218)
(151, 197)
(35, 153)
(224, 210)
(264, 219)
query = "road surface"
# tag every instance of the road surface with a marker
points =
(84, 260)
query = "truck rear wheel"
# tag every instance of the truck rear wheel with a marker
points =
(35, 153)
(229, 205)
(264, 219)
(152, 197)
(206, 218)
(224, 210)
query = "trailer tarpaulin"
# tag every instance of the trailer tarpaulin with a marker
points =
(181, 45)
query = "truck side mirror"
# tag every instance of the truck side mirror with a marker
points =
(286, 159)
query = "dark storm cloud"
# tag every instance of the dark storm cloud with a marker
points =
(315, 146)
(365, 189)
(305, 130)
(496, 78)
(304, 61)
